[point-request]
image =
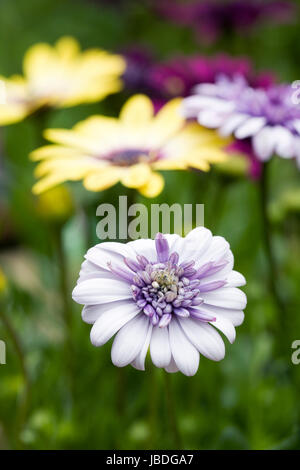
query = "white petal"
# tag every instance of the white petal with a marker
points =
(129, 341)
(90, 313)
(160, 347)
(101, 291)
(145, 247)
(227, 297)
(184, 353)
(218, 249)
(250, 127)
(111, 320)
(285, 142)
(204, 337)
(235, 279)
(225, 325)
(139, 361)
(172, 368)
(211, 119)
(112, 252)
(231, 124)
(296, 124)
(193, 245)
(236, 317)
(264, 143)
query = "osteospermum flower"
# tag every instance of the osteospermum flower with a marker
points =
(102, 150)
(269, 118)
(171, 295)
(214, 18)
(59, 76)
(164, 80)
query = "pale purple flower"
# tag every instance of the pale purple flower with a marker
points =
(269, 118)
(169, 295)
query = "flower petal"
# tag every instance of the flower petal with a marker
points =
(112, 318)
(228, 297)
(129, 341)
(101, 291)
(139, 361)
(184, 353)
(160, 347)
(204, 337)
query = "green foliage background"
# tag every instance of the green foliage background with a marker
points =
(250, 400)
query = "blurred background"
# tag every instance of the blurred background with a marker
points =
(56, 390)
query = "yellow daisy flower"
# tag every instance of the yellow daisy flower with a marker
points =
(59, 76)
(103, 151)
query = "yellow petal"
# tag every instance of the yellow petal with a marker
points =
(38, 61)
(54, 151)
(72, 169)
(136, 175)
(100, 180)
(72, 138)
(170, 164)
(167, 122)
(10, 114)
(47, 183)
(137, 111)
(67, 47)
(153, 187)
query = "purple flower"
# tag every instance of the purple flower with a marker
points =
(213, 18)
(171, 294)
(178, 76)
(269, 118)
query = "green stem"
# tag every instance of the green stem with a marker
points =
(25, 402)
(171, 411)
(66, 302)
(152, 402)
(267, 239)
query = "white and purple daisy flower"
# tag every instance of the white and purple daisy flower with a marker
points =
(268, 117)
(171, 294)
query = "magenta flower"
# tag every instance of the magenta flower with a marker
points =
(214, 18)
(178, 76)
(170, 294)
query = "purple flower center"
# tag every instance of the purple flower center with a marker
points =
(165, 288)
(128, 157)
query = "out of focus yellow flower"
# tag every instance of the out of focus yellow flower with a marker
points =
(3, 282)
(103, 151)
(59, 76)
(55, 205)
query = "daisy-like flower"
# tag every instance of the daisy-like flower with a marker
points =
(164, 80)
(102, 150)
(215, 18)
(269, 118)
(59, 76)
(171, 294)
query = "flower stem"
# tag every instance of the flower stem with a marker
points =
(171, 411)
(25, 403)
(267, 238)
(66, 302)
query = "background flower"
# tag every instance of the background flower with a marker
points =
(214, 18)
(59, 76)
(164, 294)
(103, 151)
(269, 117)
(163, 80)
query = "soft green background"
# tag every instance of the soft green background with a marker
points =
(248, 401)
